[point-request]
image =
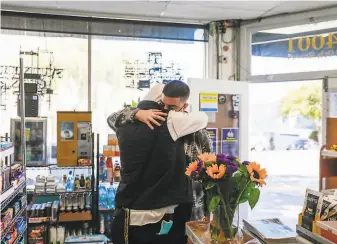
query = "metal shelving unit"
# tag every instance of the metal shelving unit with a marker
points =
(20, 235)
(10, 198)
(12, 192)
(47, 196)
(13, 222)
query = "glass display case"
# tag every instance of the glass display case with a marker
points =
(36, 140)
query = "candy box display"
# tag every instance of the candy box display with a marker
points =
(6, 217)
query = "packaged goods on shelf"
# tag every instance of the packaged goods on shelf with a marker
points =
(37, 234)
(98, 239)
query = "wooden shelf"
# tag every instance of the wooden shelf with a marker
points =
(72, 217)
(329, 153)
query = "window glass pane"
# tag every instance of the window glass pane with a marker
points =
(62, 62)
(119, 66)
(302, 48)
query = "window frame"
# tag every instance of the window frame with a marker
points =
(281, 21)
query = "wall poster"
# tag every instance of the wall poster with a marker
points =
(230, 141)
(213, 133)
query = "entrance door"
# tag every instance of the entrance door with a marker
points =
(227, 105)
(260, 108)
(285, 138)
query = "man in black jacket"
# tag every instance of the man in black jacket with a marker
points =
(154, 194)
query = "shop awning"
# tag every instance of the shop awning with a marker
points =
(319, 43)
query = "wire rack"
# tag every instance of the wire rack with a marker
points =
(20, 235)
(12, 223)
(4, 203)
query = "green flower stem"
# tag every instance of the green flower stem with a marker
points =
(243, 189)
(227, 219)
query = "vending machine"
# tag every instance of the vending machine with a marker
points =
(74, 142)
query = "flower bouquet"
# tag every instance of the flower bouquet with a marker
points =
(228, 182)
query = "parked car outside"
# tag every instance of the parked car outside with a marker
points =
(303, 144)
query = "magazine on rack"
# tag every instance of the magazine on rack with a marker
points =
(270, 231)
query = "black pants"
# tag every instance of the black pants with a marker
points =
(147, 234)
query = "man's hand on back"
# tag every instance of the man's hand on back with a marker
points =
(150, 116)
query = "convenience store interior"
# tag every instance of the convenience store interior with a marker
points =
(81, 61)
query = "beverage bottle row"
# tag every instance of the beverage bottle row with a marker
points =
(77, 183)
(107, 194)
(109, 171)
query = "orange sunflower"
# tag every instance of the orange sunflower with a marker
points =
(215, 171)
(191, 168)
(207, 157)
(256, 173)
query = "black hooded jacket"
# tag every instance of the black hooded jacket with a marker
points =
(153, 166)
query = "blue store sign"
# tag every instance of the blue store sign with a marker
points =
(299, 47)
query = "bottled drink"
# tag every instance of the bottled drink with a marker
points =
(76, 199)
(108, 226)
(101, 227)
(81, 202)
(62, 202)
(88, 201)
(82, 182)
(64, 180)
(88, 183)
(77, 183)
(111, 197)
(70, 183)
(102, 166)
(109, 169)
(102, 196)
(117, 172)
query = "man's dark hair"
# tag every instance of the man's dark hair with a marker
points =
(177, 88)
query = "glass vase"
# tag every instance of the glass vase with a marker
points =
(224, 227)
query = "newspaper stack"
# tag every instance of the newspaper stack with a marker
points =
(40, 184)
(50, 184)
(270, 231)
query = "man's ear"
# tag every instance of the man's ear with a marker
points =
(185, 106)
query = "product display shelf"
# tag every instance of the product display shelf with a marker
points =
(55, 167)
(20, 235)
(328, 158)
(66, 217)
(56, 193)
(10, 194)
(327, 168)
(13, 222)
(311, 237)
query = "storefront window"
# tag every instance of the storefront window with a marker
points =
(122, 68)
(302, 48)
(60, 60)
